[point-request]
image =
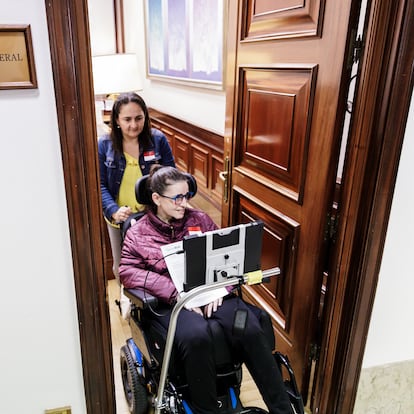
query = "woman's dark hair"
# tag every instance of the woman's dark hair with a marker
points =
(145, 138)
(161, 177)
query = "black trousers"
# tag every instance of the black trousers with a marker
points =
(193, 343)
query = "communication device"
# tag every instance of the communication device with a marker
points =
(216, 255)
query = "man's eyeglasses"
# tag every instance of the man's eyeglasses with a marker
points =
(178, 199)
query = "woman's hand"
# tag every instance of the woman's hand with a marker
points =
(212, 307)
(208, 309)
(122, 214)
(197, 310)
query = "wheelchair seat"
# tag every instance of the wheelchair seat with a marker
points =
(150, 337)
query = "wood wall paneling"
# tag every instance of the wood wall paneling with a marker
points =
(182, 152)
(200, 166)
(169, 135)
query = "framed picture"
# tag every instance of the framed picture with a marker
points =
(184, 41)
(17, 68)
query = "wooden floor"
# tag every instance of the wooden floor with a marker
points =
(121, 332)
(201, 203)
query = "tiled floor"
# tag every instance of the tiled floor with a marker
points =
(386, 389)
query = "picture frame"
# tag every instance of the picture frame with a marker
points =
(185, 42)
(17, 67)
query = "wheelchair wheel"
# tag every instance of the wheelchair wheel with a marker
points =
(135, 391)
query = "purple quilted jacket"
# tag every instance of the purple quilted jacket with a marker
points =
(141, 252)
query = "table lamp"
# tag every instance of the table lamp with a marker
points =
(112, 75)
(115, 74)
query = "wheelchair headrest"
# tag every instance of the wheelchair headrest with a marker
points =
(143, 193)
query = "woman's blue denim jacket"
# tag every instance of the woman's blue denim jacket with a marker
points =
(112, 167)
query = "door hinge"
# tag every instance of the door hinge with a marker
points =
(314, 352)
(355, 50)
(331, 227)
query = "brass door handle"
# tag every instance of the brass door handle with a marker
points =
(223, 175)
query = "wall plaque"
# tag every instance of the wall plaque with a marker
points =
(17, 69)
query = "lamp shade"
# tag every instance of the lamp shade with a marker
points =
(116, 73)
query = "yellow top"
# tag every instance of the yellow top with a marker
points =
(126, 196)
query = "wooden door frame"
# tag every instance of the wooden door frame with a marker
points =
(70, 50)
(380, 112)
(381, 109)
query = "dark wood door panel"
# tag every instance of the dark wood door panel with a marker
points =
(276, 111)
(280, 240)
(281, 18)
(284, 113)
(281, 297)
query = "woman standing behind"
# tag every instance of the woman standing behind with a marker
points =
(127, 153)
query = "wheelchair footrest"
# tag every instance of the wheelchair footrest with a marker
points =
(290, 383)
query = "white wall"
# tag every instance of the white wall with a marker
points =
(391, 337)
(102, 29)
(40, 360)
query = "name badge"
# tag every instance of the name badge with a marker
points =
(149, 156)
(194, 231)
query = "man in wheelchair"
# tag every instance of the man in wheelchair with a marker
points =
(168, 220)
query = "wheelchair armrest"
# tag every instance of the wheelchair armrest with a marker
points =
(140, 298)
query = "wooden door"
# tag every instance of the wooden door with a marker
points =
(287, 81)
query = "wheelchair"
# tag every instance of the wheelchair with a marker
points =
(152, 377)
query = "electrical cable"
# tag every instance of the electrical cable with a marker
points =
(145, 282)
